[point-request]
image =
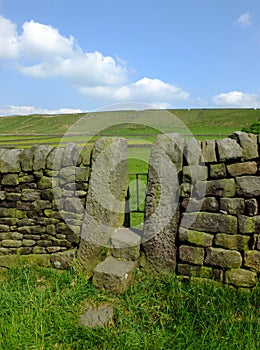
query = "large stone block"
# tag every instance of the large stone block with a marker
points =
(206, 204)
(86, 154)
(248, 186)
(70, 155)
(191, 255)
(217, 170)
(234, 242)
(10, 160)
(192, 152)
(114, 275)
(10, 180)
(229, 149)
(41, 153)
(227, 259)
(251, 207)
(208, 148)
(105, 203)
(252, 260)
(233, 206)
(162, 202)
(197, 238)
(241, 278)
(210, 222)
(248, 142)
(246, 168)
(248, 224)
(220, 188)
(193, 173)
(125, 244)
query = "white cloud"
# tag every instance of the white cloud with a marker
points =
(42, 52)
(146, 89)
(9, 41)
(237, 99)
(244, 20)
(26, 110)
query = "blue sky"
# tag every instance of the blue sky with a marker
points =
(81, 55)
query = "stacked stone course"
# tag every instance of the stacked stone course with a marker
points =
(42, 199)
(219, 233)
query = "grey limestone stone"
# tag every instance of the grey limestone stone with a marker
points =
(210, 222)
(192, 255)
(99, 316)
(192, 152)
(223, 258)
(248, 142)
(220, 188)
(209, 151)
(241, 278)
(125, 244)
(10, 160)
(233, 206)
(228, 149)
(197, 238)
(252, 260)
(233, 242)
(248, 186)
(114, 275)
(246, 168)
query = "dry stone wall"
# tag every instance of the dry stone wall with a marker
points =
(42, 199)
(219, 230)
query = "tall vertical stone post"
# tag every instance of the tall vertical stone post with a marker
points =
(105, 203)
(162, 203)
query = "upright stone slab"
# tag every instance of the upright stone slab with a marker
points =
(162, 208)
(105, 203)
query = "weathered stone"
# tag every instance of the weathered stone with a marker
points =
(10, 179)
(39, 250)
(233, 206)
(191, 255)
(52, 250)
(217, 170)
(206, 204)
(246, 168)
(10, 160)
(26, 178)
(9, 243)
(220, 188)
(41, 153)
(44, 183)
(54, 214)
(5, 235)
(16, 236)
(247, 224)
(209, 151)
(54, 159)
(8, 213)
(29, 195)
(226, 259)
(248, 142)
(125, 244)
(193, 173)
(185, 189)
(70, 155)
(40, 204)
(26, 159)
(210, 222)
(28, 242)
(197, 238)
(192, 151)
(228, 149)
(44, 243)
(114, 275)
(82, 174)
(4, 228)
(195, 271)
(161, 211)
(86, 154)
(74, 205)
(248, 186)
(13, 197)
(241, 278)
(3, 251)
(105, 205)
(251, 207)
(2, 195)
(99, 316)
(24, 251)
(235, 242)
(48, 194)
(252, 260)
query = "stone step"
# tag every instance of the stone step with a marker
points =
(114, 275)
(125, 244)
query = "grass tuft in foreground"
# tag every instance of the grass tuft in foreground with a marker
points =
(40, 309)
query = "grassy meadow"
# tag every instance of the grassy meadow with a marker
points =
(40, 310)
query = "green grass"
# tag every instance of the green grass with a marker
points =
(40, 309)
